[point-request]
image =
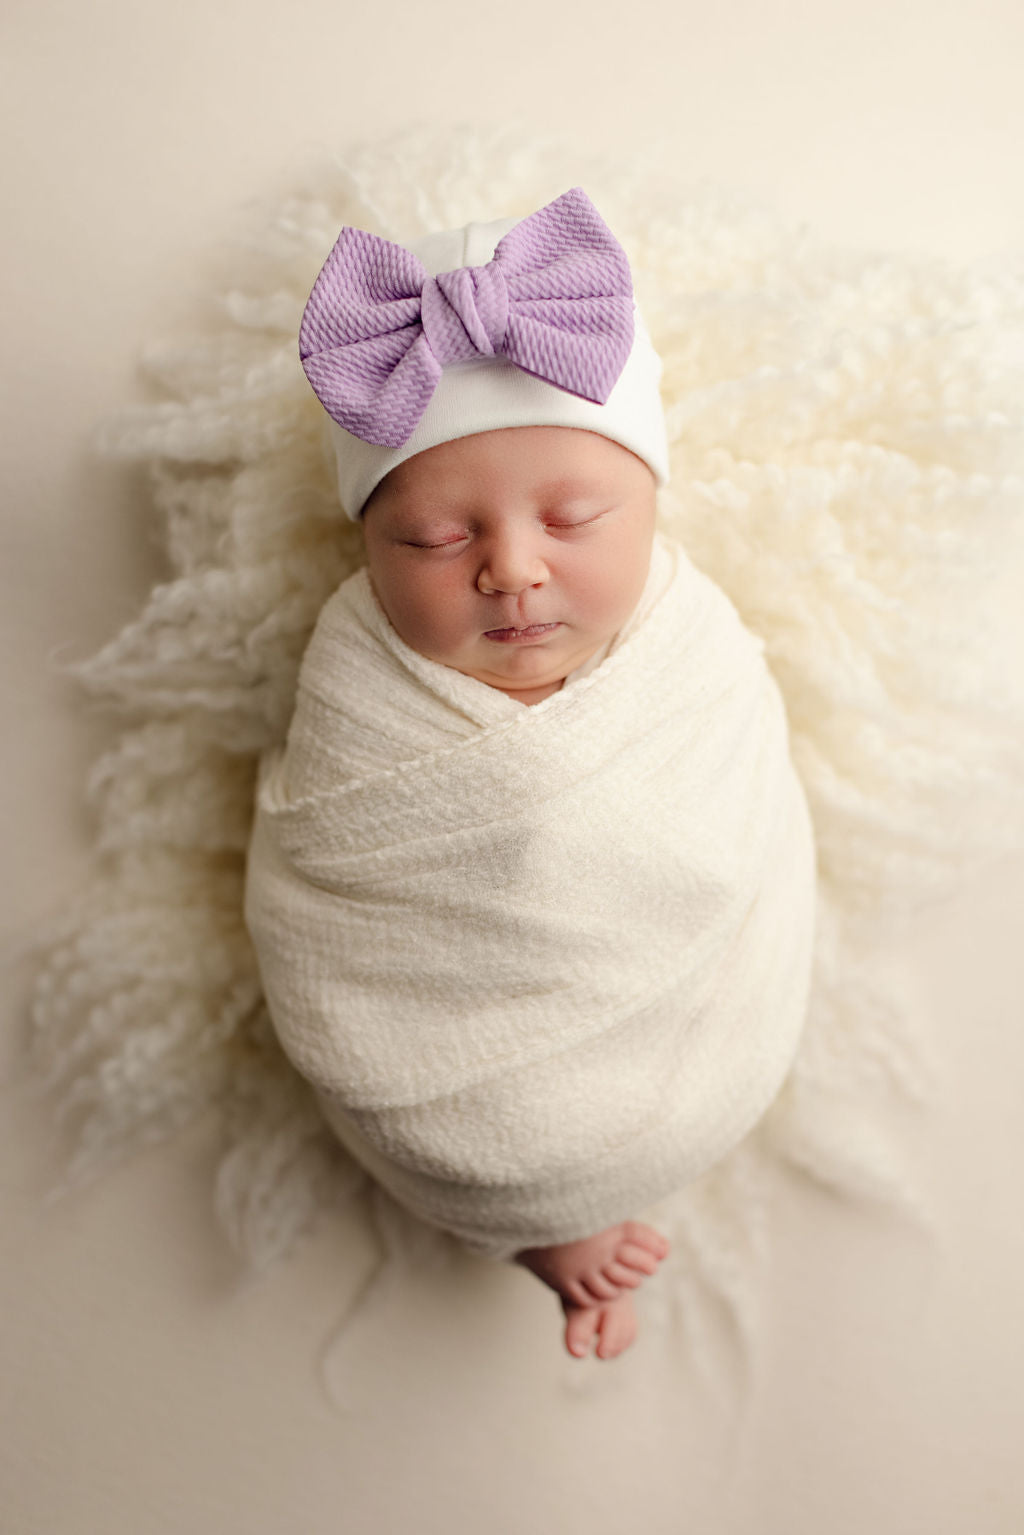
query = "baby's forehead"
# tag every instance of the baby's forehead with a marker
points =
(545, 462)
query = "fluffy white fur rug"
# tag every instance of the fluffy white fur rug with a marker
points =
(847, 464)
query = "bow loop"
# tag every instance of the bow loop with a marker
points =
(556, 300)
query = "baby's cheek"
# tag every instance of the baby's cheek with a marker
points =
(609, 596)
(430, 620)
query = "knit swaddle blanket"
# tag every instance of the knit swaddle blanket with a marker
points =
(542, 965)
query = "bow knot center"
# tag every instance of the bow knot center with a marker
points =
(465, 313)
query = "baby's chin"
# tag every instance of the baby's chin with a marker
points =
(528, 683)
(527, 688)
(533, 695)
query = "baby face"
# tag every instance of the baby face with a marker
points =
(512, 555)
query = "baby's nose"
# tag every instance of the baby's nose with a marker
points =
(510, 565)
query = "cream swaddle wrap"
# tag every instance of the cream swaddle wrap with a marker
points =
(542, 965)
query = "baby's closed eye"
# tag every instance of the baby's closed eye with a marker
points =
(454, 542)
(571, 524)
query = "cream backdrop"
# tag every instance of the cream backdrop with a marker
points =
(143, 1393)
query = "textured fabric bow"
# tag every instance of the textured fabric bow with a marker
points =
(556, 299)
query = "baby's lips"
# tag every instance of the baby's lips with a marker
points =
(516, 631)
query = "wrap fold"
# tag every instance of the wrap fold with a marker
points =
(542, 965)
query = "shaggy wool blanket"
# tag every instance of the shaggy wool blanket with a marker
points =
(543, 965)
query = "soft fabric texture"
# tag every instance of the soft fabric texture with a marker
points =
(846, 433)
(543, 965)
(616, 391)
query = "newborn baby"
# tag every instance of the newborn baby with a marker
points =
(516, 556)
(531, 884)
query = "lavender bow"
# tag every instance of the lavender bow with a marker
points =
(556, 299)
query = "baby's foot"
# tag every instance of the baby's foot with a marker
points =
(613, 1324)
(600, 1268)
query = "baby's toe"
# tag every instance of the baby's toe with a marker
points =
(575, 1293)
(623, 1277)
(599, 1287)
(580, 1329)
(646, 1236)
(617, 1329)
(590, 1289)
(637, 1258)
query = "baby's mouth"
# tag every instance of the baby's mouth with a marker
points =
(519, 636)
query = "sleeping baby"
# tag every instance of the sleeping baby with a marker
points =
(531, 882)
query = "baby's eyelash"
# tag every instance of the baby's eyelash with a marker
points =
(581, 522)
(447, 543)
